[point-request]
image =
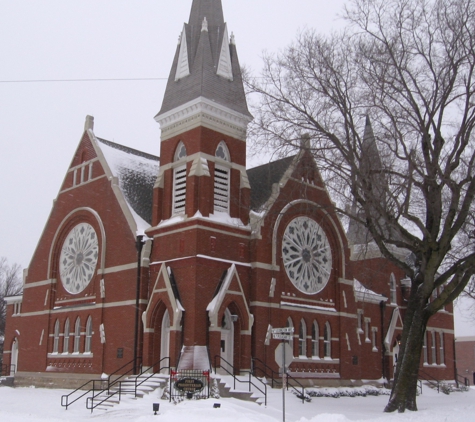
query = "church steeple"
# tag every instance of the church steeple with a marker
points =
(206, 64)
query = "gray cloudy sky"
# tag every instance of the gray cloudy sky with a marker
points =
(41, 122)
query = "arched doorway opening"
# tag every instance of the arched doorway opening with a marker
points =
(165, 339)
(395, 355)
(227, 342)
(14, 360)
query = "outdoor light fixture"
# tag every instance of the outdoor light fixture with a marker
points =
(216, 405)
(189, 395)
(156, 406)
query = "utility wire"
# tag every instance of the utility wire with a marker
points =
(82, 80)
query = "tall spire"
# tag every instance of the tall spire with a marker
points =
(206, 63)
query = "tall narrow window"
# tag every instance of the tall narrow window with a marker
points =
(367, 321)
(424, 348)
(433, 348)
(327, 340)
(56, 337)
(315, 351)
(290, 324)
(179, 180)
(392, 287)
(303, 338)
(66, 337)
(374, 330)
(87, 346)
(221, 179)
(441, 348)
(77, 335)
(359, 314)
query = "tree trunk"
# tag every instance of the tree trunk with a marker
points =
(404, 391)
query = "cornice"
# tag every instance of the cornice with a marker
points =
(206, 113)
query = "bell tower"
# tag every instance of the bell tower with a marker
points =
(200, 222)
(203, 120)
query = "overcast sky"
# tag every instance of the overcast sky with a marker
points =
(41, 122)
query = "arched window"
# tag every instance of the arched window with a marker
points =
(221, 178)
(179, 180)
(87, 346)
(56, 337)
(66, 337)
(424, 349)
(327, 340)
(303, 338)
(433, 348)
(290, 324)
(77, 335)
(392, 287)
(441, 349)
(315, 346)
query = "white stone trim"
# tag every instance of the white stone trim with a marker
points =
(206, 113)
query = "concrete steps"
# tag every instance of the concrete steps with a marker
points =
(226, 389)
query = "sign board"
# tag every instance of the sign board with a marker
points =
(284, 330)
(287, 337)
(189, 385)
(288, 354)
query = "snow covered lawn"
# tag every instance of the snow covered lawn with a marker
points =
(43, 405)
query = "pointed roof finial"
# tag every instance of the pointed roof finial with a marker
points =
(232, 40)
(89, 123)
(204, 25)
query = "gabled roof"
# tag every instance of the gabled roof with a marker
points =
(201, 59)
(136, 172)
(263, 177)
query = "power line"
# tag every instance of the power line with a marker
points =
(81, 80)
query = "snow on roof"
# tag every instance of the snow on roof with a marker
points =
(136, 172)
(364, 294)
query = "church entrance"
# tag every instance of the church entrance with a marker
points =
(14, 361)
(227, 342)
(395, 355)
(165, 339)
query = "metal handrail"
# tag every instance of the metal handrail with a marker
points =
(264, 371)
(152, 374)
(458, 377)
(65, 398)
(299, 393)
(241, 381)
(430, 379)
(6, 369)
(90, 405)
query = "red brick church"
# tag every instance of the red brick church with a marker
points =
(191, 256)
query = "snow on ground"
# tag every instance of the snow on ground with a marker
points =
(41, 405)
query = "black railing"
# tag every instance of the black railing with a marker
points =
(434, 382)
(300, 394)
(121, 386)
(95, 386)
(236, 379)
(265, 371)
(7, 370)
(461, 379)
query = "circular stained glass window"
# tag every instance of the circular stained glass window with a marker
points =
(307, 255)
(78, 259)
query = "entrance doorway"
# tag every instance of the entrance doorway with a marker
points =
(165, 339)
(14, 361)
(227, 342)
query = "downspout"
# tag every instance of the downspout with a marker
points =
(139, 246)
(382, 307)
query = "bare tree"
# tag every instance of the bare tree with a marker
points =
(409, 66)
(10, 285)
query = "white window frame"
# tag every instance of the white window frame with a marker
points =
(66, 337)
(56, 337)
(393, 290)
(441, 348)
(291, 341)
(88, 343)
(424, 349)
(374, 330)
(367, 322)
(77, 336)
(179, 180)
(222, 178)
(433, 348)
(315, 340)
(302, 338)
(327, 341)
